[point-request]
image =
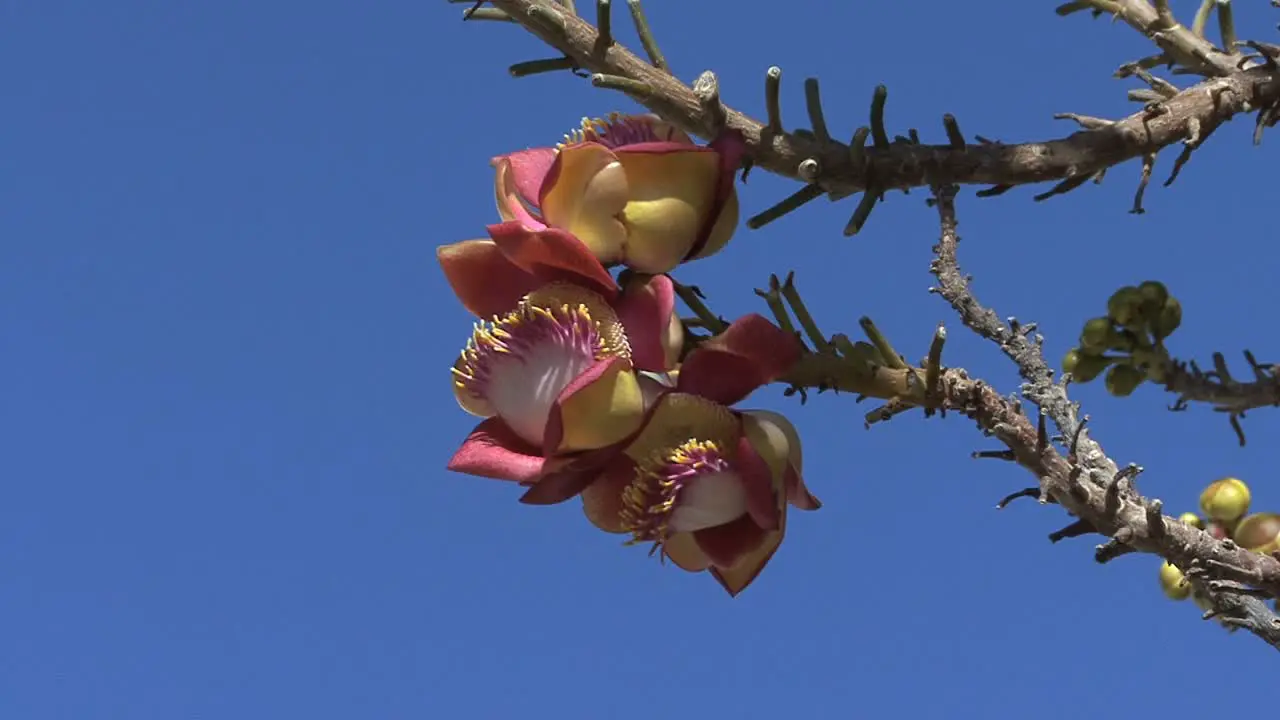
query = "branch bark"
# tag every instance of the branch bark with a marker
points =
(903, 165)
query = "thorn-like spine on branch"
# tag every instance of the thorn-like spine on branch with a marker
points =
(647, 41)
(878, 134)
(707, 90)
(772, 99)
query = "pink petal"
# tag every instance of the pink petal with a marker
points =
(798, 494)
(725, 544)
(659, 147)
(528, 169)
(727, 368)
(645, 312)
(762, 501)
(553, 255)
(567, 477)
(483, 279)
(492, 450)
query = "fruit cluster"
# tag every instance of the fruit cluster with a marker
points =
(1129, 339)
(1225, 504)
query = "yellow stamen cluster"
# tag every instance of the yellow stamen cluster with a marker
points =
(648, 501)
(618, 130)
(559, 295)
(557, 312)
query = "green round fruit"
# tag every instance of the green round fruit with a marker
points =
(1122, 380)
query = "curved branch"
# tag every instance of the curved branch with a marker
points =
(906, 165)
(1224, 392)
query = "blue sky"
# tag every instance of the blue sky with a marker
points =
(224, 345)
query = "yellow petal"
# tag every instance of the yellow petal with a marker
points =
(602, 501)
(586, 197)
(723, 229)
(604, 412)
(671, 195)
(778, 423)
(683, 550)
(472, 404)
(679, 417)
(772, 444)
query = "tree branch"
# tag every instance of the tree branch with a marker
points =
(906, 165)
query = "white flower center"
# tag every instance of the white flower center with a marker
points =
(709, 500)
(522, 388)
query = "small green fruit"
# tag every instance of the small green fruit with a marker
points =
(1154, 293)
(1259, 532)
(1192, 519)
(1170, 317)
(1096, 335)
(1225, 500)
(1122, 380)
(1174, 583)
(1125, 307)
(1084, 366)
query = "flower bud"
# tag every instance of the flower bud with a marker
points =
(1259, 532)
(1122, 380)
(1225, 500)
(1192, 519)
(1173, 582)
(1125, 307)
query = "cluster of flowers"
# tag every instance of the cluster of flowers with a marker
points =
(1225, 503)
(583, 378)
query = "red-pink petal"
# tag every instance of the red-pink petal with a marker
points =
(725, 544)
(645, 312)
(492, 450)
(798, 494)
(659, 147)
(732, 148)
(727, 368)
(485, 281)
(567, 476)
(757, 479)
(553, 255)
(528, 169)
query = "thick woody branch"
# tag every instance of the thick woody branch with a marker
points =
(906, 165)
(1086, 482)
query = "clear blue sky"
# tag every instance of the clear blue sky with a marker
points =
(224, 344)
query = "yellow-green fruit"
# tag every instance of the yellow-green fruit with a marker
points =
(1173, 582)
(1192, 519)
(1096, 334)
(1083, 366)
(1259, 532)
(1122, 380)
(1225, 500)
(1154, 293)
(1170, 317)
(1125, 306)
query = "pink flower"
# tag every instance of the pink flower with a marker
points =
(635, 189)
(707, 485)
(554, 371)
